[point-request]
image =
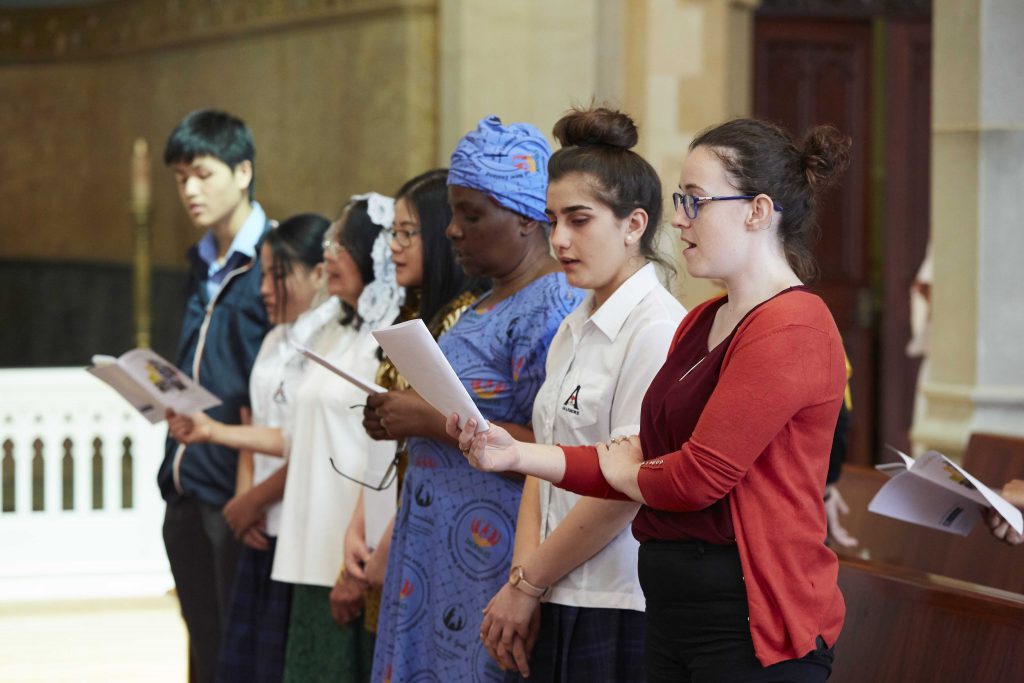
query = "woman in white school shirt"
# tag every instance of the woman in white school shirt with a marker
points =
(574, 562)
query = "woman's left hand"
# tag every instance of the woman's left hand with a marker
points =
(399, 414)
(346, 599)
(242, 513)
(620, 461)
(507, 628)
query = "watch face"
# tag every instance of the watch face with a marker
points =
(515, 575)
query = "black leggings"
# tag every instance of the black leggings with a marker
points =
(697, 625)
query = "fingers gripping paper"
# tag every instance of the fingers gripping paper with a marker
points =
(414, 352)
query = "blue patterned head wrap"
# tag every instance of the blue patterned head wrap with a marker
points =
(508, 163)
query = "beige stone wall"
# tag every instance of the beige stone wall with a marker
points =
(340, 97)
(676, 66)
(975, 381)
(343, 96)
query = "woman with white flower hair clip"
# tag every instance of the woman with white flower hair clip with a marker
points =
(326, 448)
(416, 276)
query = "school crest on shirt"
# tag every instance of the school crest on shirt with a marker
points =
(572, 403)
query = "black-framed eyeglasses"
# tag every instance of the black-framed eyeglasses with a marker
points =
(390, 474)
(691, 202)
(403, 237)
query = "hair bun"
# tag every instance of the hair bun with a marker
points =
(597, 126)
(825, 155)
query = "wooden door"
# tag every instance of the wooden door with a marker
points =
(809, 72)
(904, 232)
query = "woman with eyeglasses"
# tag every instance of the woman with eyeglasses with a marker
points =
(322, 433)
(429, 284)
(735, 429)
(452, 540)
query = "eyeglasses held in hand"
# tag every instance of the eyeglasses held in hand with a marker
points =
(691, 202)
(390, 474)
(403, 237)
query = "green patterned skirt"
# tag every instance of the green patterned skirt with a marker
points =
(320, 650)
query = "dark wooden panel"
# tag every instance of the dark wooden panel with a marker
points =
(903, 625)
(907, 217)
(806, 73)
(60, 314)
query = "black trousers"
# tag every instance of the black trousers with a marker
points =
(697, 619)
(203, 554)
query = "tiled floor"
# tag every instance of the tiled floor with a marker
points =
(113, 640)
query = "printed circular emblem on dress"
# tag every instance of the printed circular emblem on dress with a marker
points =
(424, 494)
(412, 594)
(481, 539)
(454, 617)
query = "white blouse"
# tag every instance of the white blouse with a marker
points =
(324, 427)
(598, 369)
(276, 375)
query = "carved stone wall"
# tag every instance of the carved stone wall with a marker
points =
(339, 94)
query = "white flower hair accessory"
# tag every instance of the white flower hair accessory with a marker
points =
(381, 209)
(382, 299)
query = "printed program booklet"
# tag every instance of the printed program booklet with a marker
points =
(935, 492)
(152, 384)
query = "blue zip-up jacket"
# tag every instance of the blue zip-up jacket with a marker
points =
(219, 342)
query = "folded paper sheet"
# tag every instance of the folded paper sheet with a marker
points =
(935, 492)
(414, 352)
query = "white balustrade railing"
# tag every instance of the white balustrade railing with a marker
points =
(80, 512)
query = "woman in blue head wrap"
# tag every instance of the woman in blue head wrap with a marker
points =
(452, 544)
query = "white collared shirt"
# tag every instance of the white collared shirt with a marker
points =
(244, 244)
(276, 375)
(599, 366)
(324, 427)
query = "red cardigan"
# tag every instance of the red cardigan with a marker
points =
(764, 439)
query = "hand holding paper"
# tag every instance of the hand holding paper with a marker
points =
(934, 491)
(152, 384)
(414, 352)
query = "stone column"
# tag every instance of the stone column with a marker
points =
(975, 381)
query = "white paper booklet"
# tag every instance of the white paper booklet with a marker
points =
(366, 385)
(414, 352)
(152, 384)
(935, 492)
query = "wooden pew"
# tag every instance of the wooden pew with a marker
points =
(903, 625)
(978, 558)
(994, 458)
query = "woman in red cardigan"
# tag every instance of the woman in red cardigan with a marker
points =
(736, 427)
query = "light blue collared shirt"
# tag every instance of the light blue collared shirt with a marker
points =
(242, 247)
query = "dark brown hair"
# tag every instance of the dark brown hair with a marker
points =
(597, 143)
(763, 159)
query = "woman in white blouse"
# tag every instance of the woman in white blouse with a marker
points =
(573, 581)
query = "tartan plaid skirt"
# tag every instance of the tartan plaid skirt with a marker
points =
(588, 645)
(254, 639)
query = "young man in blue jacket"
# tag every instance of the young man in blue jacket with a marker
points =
(212, 156)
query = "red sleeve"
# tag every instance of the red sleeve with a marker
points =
(583, 474)
(766, 379)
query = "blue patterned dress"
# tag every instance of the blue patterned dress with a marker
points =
(452, 544)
